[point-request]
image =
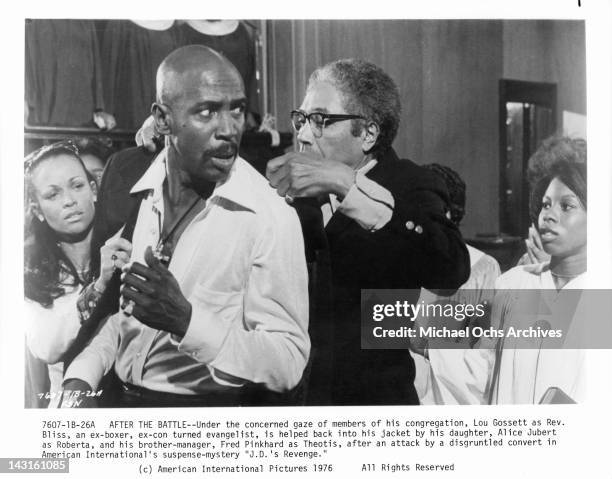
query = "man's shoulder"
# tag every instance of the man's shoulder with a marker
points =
(264, 197)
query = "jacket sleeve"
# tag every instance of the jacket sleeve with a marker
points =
(428, 244)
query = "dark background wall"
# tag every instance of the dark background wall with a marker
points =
(447, 72)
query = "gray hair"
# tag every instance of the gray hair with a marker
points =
(367, 91)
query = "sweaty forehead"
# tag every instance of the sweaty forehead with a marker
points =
(324, 97)
(216, 80)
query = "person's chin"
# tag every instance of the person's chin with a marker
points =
(74, 229)
(218, 168)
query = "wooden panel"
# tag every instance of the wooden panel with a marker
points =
(393, 45)
(461, 68)
(548, 51)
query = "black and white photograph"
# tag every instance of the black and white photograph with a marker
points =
(221, 262)
(313, 227)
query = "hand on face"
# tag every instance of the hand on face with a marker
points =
(535, 249)
(307, 174)
(157, 297)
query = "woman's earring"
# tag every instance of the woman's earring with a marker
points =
(41, 218)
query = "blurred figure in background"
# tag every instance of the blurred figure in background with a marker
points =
(94, 152)
(478, 289)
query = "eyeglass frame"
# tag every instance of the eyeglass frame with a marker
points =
(326, 119)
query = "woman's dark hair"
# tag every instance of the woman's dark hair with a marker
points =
(46, 268)
(557, 157)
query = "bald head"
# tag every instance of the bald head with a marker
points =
(191, 65)
(201, 109)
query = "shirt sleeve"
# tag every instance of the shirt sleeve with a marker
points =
(368, 203)
(98, 356)
(265, 340)
(51, 331)
(461, 376)
(466, 376)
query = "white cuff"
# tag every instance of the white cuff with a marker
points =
(368, 203)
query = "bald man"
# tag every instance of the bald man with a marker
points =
(214, 301)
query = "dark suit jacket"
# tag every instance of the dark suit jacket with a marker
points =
(115, 204)
(114, 208)
(394, 257)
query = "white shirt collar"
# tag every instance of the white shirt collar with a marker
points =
(235, 188)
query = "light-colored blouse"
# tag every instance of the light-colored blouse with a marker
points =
(49, 334)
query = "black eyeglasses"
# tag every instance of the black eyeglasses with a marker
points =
(33, 158)
(318, 120)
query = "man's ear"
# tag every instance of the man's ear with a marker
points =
(161, 117)
(370, 135)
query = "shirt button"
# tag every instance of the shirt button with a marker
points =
(409, 225)
(418, 229)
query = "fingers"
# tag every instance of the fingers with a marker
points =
(148, 134)
(537, 240)
(146, 138)
(137, 297)
(284, 186)
(140, 270)
(136, 283)
(530, 253)
(274, 165)
(118, 244)
(119, 259)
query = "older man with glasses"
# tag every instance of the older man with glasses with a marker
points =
(384, 221)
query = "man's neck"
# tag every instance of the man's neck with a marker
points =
(181, 188)
(181, 196)
(361, 162)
